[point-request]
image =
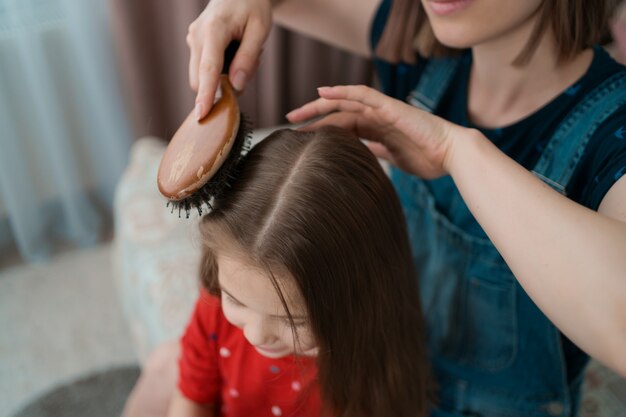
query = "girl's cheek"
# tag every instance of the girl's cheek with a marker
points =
(307, 341)
(234, 317)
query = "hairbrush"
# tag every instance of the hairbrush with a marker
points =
(200, 161)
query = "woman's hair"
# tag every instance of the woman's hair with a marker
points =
(319, 205)
(577, 24)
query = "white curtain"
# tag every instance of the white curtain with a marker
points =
(64, 137)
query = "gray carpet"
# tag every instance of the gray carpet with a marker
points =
(57, 341)
(101, 394)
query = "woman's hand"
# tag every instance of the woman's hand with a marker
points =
(413, 140)
(222, 21)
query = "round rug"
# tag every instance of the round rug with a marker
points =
(100, 394)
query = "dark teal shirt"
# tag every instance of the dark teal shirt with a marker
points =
(603, 163)
(605, 158)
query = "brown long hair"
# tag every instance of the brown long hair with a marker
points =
(577, 25)
(319, 205)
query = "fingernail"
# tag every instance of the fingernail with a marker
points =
(239, 80)
(323, 88)
(218, 94)
(198, 111)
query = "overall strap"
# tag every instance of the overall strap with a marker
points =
(567, 145)
(433, 83)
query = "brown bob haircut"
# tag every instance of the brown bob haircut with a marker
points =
(318, 207)
(577, 25)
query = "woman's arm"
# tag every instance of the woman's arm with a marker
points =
(342, 23)
(183, 407)
(570, 260)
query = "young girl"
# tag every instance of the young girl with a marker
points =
(309, 304)
(514, 193)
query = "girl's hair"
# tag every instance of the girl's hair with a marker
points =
(318, 206)
(577, 24)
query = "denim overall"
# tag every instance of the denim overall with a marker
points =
(493, 352)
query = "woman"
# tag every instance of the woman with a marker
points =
(514, 192)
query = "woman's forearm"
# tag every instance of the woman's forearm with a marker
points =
(183, 407)
(570, 260)
(340, 23)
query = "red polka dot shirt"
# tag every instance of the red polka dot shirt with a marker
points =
(219, 366)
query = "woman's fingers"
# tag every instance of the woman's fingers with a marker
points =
(350, 122)
(355, 122)
(194, 62)
(376, 106)
(246, 59)
(380, 151)
(321, 107)
(413, 140)
(343, 120)
(221, 22)
(356, 93)
(209, 69)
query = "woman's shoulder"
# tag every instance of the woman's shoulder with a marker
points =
(603, 84)
(603, 67)
(604, 159)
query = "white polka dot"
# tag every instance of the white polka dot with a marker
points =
(277, 411)
(233, 392)
(296, 386)
(224, 352)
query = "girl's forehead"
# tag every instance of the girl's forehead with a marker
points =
(252, 286)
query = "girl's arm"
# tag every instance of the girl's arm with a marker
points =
(183, 407)
(569, 259)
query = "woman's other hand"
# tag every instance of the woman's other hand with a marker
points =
(413, 140)
(248, 21)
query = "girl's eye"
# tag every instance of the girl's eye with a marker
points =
(232, 300)
(297, 324)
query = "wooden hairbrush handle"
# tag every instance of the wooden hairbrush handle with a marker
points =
(199, 148)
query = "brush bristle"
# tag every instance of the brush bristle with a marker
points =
(222, 179)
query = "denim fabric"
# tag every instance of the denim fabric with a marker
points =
(560, 158)
(493, 352)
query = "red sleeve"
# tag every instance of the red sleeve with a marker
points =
(199, 376)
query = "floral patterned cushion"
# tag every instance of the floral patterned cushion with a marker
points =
(155, 253)
(604, 393)
(156, 257)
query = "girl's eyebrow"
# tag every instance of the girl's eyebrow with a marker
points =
(230, 295)
(295, 318)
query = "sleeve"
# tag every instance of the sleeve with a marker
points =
(199, 376)
(603, 163)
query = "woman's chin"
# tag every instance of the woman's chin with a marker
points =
(455, 41)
